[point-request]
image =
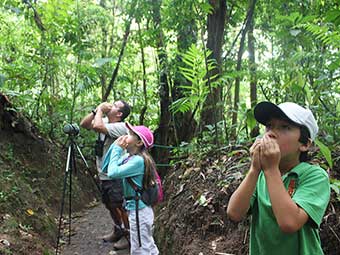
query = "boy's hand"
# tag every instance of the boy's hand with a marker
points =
(105, 107)
(255, 156)
(269, 154)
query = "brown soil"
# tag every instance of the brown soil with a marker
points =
(31, 181)
(192, 220)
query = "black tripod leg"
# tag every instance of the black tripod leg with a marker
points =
(63, 200)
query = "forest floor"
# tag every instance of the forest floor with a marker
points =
(87, 228)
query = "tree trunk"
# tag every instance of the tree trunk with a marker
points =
(144, 108)
(238, 68)
(161, 155)
(212, 112)
(252, 70)
(184, 124)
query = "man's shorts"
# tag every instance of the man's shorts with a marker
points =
(112, 192)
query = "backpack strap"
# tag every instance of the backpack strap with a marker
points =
(100, 139)
(133, 185)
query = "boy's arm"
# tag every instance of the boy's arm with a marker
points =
(239, 202)
(289, 216)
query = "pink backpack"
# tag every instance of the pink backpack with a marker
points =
(160, 187)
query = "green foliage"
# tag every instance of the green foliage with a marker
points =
(326, 152)
(335, 185)
(63, 71)
(196, 73)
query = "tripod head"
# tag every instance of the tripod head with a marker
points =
(71, 129)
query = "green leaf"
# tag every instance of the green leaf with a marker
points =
(308, 94)
(251, 121)
(2, 79)
(335, 188)
(101, 61)
(295, 32)
(332, 15)
(202, 200)
(326, 152)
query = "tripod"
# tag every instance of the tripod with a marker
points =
(70, 168)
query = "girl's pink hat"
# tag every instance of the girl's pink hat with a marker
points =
(143, 133)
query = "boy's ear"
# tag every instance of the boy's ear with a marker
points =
(305, 147)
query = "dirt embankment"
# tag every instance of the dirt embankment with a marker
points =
(192, 220)
(31, 180)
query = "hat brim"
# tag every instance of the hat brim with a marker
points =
(130, 127)
(265, 111)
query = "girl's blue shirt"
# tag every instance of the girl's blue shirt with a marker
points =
(116, 168)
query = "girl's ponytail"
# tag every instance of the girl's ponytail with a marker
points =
(150, 166)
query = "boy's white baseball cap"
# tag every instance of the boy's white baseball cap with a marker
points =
(265, 111)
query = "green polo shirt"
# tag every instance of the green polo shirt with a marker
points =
(311, 193)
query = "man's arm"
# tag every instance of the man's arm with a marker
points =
(86, 122)
(239, 202)
(95, 121)
(98, 124)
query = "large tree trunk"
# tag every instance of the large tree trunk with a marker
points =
(238, 68)
(161, 155)
(144, 108)
(252, 70)
(184, 124)
(212, 112)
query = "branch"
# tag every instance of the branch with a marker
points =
(37, 19)
(125, 38)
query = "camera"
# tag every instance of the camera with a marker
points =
(98, 148)
(71, 129)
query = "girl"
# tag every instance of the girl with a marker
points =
(138, 166)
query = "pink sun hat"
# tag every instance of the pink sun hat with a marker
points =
(143, 133)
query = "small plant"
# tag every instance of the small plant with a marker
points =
(335, 186)
(326, 152)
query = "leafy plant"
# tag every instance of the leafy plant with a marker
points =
(196, 73)
(335, 185)
(325, 151)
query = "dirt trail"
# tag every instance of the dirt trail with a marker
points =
(87, 229)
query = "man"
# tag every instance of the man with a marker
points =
(109, 129)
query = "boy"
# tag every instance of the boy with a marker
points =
(286, 196)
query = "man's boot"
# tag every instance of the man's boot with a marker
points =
(114, 236)
(109, 237)
(122, 244)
